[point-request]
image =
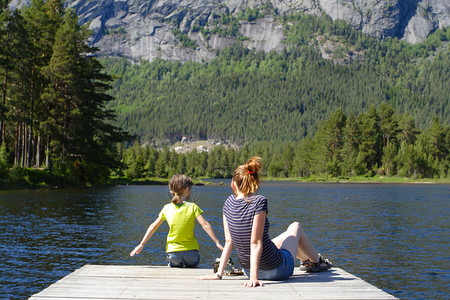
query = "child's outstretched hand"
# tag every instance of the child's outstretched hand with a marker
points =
(209, 277)
(137, 250)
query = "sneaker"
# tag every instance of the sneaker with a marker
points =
(230, 268)
(322, 265)
(216, 265)
(305, 264)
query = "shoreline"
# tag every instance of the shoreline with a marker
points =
(362, 179)
(205, 181)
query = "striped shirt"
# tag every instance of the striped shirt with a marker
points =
(239, 215)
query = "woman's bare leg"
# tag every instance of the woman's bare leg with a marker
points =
(295, 240)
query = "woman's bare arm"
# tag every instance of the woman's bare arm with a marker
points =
(225, 254)
(256, 247)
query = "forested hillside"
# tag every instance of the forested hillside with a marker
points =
(245, 95)
(376, 142)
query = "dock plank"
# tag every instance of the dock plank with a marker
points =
(159, 282)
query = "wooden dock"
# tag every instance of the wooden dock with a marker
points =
(158, 282)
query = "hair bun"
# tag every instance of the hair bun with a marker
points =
(246, 176)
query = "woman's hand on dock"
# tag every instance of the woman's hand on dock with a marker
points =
(137, 250)
(253, 283)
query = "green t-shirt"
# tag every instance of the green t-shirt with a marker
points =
(181, 220)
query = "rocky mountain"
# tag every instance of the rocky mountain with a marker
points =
(146, 29)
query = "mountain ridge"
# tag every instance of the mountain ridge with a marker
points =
(139, 29)
(148, 26)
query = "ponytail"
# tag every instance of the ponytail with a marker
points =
(247, 176)
(177, 185)
(175, 197)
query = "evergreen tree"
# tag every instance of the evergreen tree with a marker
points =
(150, 165)
(135, 161)
(287, 159)
(304, 158)
(79, 127)
(160, 167)
(13, 81)
(390, 130)
(407, 157)
(369, 155)
(407, 129)
(5, 64)
(4, 163)
(388, 124)
(42, 20)
(389, 158)
(437, 137)
(181, 166)
(350, 148)
(331, 142)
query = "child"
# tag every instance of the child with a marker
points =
(182, 247)
(247, 229)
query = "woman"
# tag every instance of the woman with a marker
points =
(182, 247)
(247, 229)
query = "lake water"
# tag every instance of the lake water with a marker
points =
(395, 236)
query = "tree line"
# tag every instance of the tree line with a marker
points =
(375, 142)
(53, 96)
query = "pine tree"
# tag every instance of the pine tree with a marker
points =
(407, 129)
(437, 136)
(42, 20)
(4, 163)
(369, 156)
(287, 160)
(13, 77)
(150, 165)
(390, 130)
(388, 124)
(328, 143)
(304, 158)
(350, 148)
(5, 64)
(79, 125)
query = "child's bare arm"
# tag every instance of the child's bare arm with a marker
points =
(208, 229)
(150, 231)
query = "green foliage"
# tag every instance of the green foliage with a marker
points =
(19, 177)
(116, 31)
(343, 146)
(186, 42)
(245, 95)
(4, 163)
(53, 110)
(303, 114)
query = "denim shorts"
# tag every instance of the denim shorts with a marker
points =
(188, 259)
(281, 273)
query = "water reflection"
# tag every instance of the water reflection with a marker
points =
(393, 236)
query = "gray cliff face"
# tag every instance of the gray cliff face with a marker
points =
(410, 20)
(142, 29)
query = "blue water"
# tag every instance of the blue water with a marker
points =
(395, 236)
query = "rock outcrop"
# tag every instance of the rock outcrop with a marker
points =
(143, 29)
